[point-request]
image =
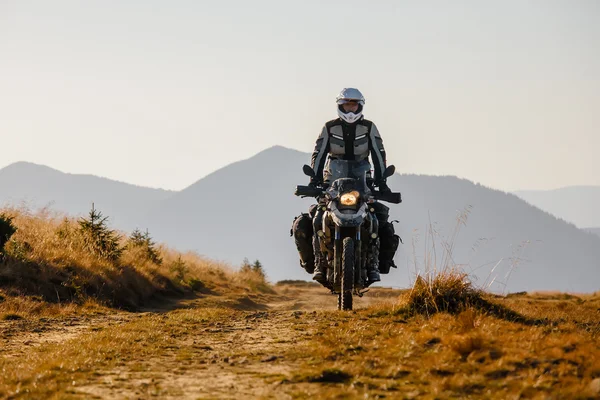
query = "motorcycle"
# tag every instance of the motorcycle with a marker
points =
(346, 225)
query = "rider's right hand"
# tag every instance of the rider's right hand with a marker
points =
(384, 188)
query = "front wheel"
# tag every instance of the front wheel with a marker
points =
(345, 296)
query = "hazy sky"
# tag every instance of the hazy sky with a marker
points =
(157, 93)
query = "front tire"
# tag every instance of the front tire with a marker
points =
(345, 296)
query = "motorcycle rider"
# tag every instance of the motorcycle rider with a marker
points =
(348, 137)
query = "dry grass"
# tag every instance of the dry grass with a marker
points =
(56, 370)
(387, 351)
(47, 260)
(448, 291)
(19, 307)
(444, 286)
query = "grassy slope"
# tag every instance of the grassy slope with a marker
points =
(47, 268)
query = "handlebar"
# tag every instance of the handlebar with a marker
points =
(311, 191)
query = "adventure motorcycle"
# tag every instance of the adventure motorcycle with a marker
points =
(346, 225)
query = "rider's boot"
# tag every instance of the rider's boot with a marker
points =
(373, 275)
(373, 266)
(319, 273)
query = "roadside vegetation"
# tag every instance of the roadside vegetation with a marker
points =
(426, 346)
(50, 263)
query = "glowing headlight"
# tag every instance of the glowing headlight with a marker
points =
(349, 199)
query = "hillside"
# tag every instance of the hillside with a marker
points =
(41, 186)
(46, 259)
(575, 204)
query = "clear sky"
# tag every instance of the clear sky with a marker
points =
(161, 93)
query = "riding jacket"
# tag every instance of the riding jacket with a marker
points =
(343, 141)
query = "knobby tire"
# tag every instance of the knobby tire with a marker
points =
(345, 296)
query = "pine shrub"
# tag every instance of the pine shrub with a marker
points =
(258, 269)
(98, 237)
(246, 266)
(179, 268)
(143, 241)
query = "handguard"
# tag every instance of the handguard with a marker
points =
(390, 197)
(308, 191)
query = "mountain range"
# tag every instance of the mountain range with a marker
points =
(594, 230)
(246, 210)
(575, 204)
(37, 186)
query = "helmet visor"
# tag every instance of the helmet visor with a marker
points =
(344, 101)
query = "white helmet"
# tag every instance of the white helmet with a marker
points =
(346, 95)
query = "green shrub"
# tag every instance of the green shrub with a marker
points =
(139, 240)
(258, 269)
(246, 266)
(179, 268)
(98, 238)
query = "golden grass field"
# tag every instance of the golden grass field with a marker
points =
(201, 330)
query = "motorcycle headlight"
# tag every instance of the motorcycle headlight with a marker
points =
(349, 199)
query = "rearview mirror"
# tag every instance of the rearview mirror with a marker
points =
(308, 171)
(389, 171)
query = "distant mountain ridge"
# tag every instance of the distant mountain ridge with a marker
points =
(39, 186)
(594, 230)
(246, 210)
(575, 204)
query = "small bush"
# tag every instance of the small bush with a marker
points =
(258, 269)
(98, 238)
(450, 291)
(254, 276)
(196, 284)
(254, 268)
(447, 291)
(17, 249)
(246, 266)
(143, 241)
(179, 268)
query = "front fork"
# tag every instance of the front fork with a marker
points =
(336, 273)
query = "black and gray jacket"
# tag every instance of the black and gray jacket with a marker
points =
(345, 141)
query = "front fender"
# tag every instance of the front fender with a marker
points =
(347, 220)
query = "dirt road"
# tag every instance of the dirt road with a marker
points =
(240, 349)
